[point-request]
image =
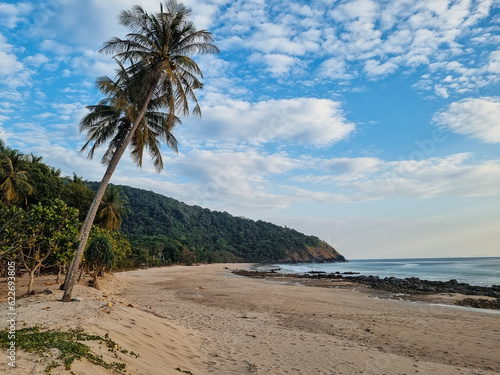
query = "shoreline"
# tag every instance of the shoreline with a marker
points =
(475, 271)
(414, 289)
(206, 320)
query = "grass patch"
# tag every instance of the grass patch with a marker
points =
(70, 344)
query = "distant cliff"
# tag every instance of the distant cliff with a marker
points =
(322, 252)
(168, 230)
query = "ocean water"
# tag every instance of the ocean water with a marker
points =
(473, 271)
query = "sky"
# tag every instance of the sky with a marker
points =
(374, 125)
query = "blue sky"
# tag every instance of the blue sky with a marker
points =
(371, 124)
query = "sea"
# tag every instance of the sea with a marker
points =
(473, 271)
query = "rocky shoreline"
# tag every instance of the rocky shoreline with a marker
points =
(408, 286)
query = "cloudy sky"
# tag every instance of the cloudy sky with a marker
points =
(374, 125)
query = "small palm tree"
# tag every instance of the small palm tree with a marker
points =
(112, 209)
(160, 78)
(14, 185)
(77, 179)
(55, 172)
(35, 159)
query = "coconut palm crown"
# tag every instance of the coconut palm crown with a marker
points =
(14, 185)
(111, 120)
(160, 46)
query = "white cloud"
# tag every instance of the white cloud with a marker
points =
(36, 60)
(301, 120)
(441, 91)
(12, 14)
(277, 64)
(366, 179)
(494, 62)
(476, 118)
(9, 64)
(357, 9)
(273, 38)
(334, 68)
(95, 20)
(93, 64)
(243, 179)
(56, 47)
(351, 38)
(375, 68)
(233, 177)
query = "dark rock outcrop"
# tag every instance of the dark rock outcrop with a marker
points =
(411, 285)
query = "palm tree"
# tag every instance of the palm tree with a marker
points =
(77, 179)
(14, 185)
(55, 172)
(111, 210)
(160, 80)
(35, 159)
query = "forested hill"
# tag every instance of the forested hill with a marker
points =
(166, 227)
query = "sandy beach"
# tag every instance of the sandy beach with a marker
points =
(205, 320)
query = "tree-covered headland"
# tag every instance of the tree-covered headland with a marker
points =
(41, 214)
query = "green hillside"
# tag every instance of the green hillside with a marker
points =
(165, 228)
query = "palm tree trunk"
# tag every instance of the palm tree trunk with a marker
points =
(89, 220)
(81, 273)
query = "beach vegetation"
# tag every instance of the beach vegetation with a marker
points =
(76, 193)
(14, 185)
(11, 234)
(98, 256)
(46, 181)
(48, 233)
(111, 209)
(70, 345)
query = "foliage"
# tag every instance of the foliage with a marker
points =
(161, 230)
(11, 235)
(188, 256)
(46, 182)
(77, 194)
(34, 340)
(14, 185)
(111, 210)
(164, 226)
(159, 49)
(46, 232)
(99, 255)
(120, 246)
(112, 118)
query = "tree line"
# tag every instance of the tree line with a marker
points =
(41, 214)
